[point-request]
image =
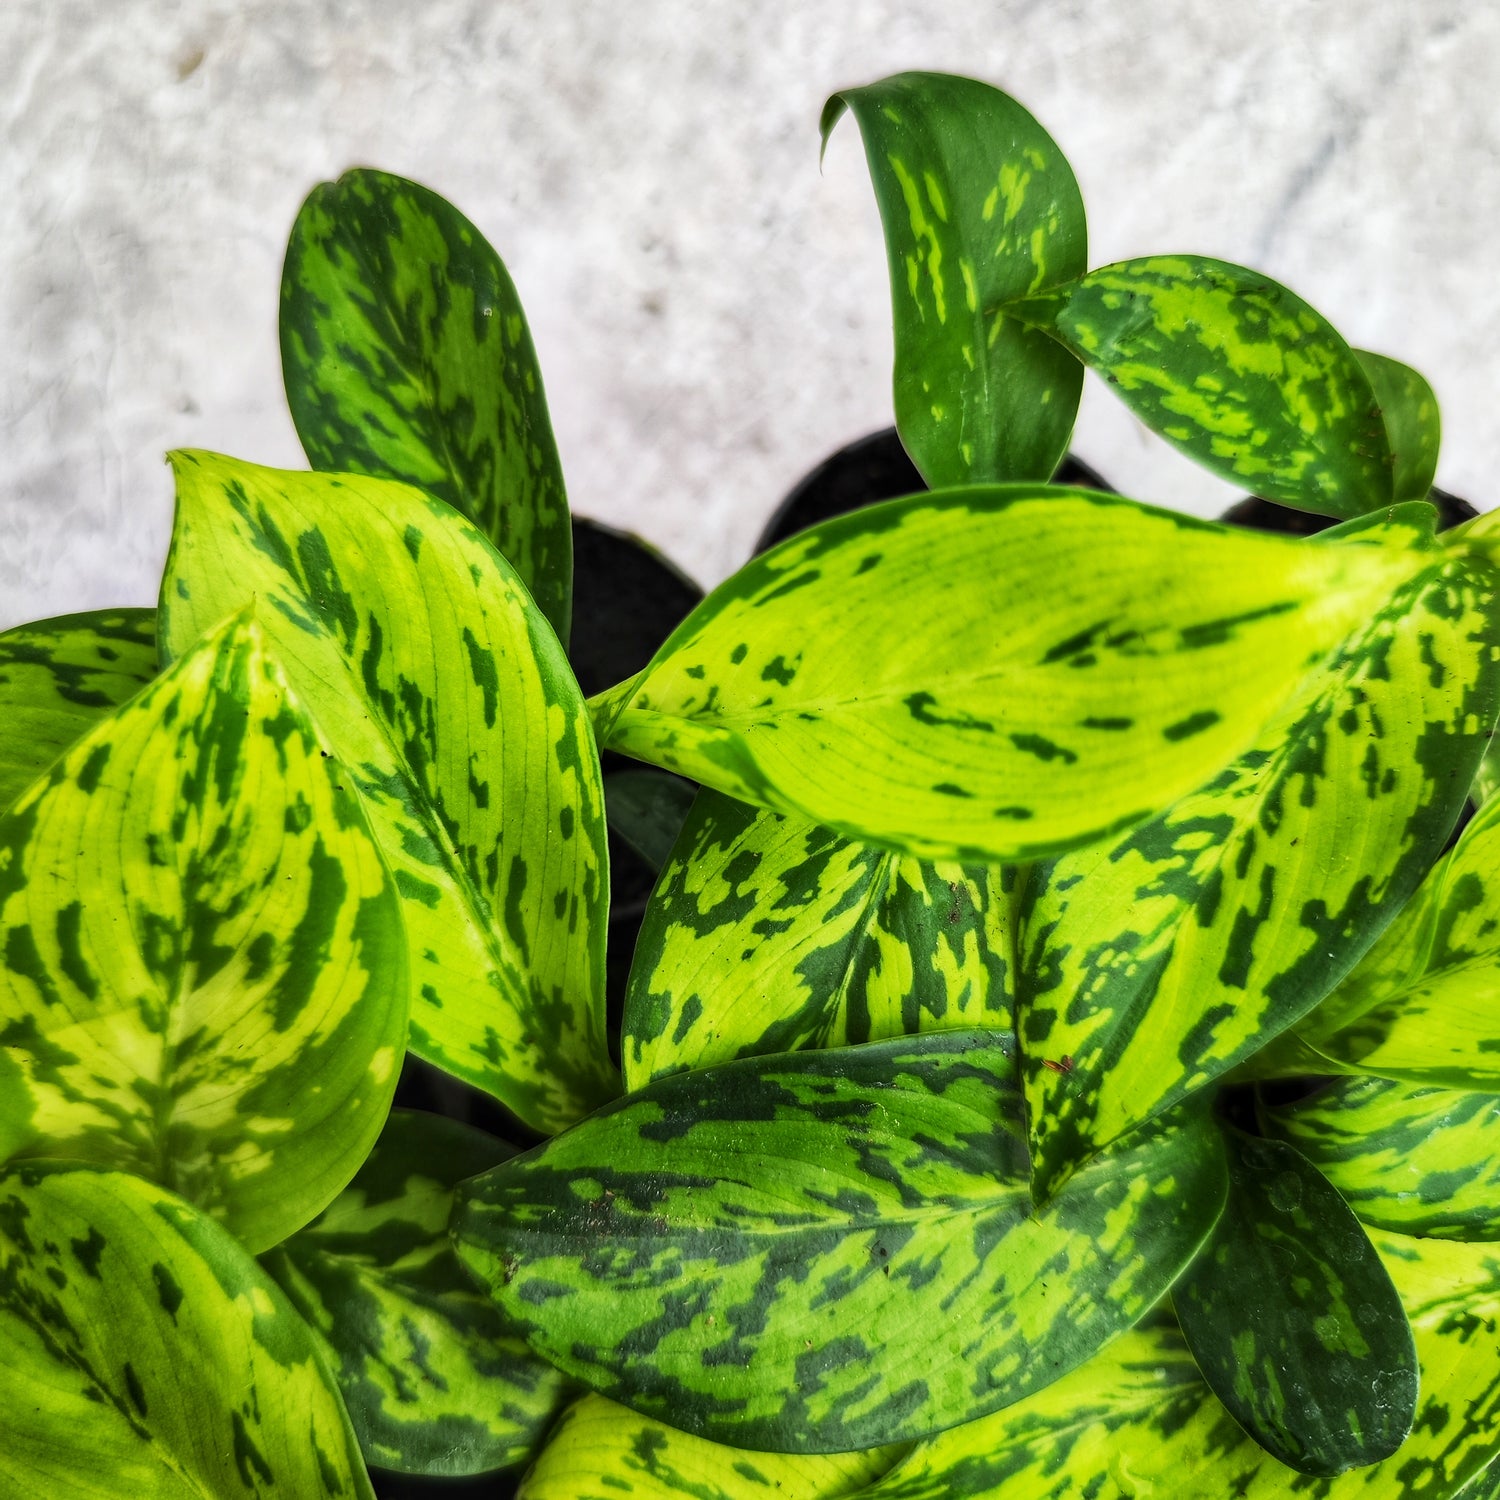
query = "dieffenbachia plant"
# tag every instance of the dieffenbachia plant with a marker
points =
(1057, 1055)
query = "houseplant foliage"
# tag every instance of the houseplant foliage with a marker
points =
(1057, 1056)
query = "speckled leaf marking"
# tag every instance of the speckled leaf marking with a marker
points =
(830, 1250)
(1029, 694)
(1234, 370)
(767, 934)
(1413, 423)
(1161, 960)
(202, 969)
(143, 1353)
(647, 809)
(1293, 1320)
(438, 683)
(979, 207)
(434, 1380)
(602, 1451)
(1417, 1160)
(59, 677)
(1138, 1421)
(406, 356)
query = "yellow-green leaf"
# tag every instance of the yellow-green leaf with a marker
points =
(1413, 424)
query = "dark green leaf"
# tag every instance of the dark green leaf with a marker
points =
(647, 809)
(1413, 424)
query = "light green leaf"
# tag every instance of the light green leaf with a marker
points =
(1421, 1161)
(1234, 370)
(601, 1451)
(1154, 964)
(979, 207)
(647, 809)
(1030, 693)
(768, 934)
(830, 1250)
(202, 970)
(406, 356)
(434, 1380)
(1413, 423)
(59, 677)
(1293, 1320)
(144, 1354)
(1137, 1421)
(440, 686)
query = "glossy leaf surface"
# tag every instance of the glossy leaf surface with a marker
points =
(1413, 423)
(768, 934)
(406, 356)
(979, 207)
(830, 1250)
(440, 686)
(434, 1380)
(143, 1353)
(1293, 1320)
(1028, 695)
(60, 677)
(202, 968)
(1157, 962)
(1237, 372)
(600, 1451)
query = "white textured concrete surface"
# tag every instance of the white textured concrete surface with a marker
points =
(711, 312)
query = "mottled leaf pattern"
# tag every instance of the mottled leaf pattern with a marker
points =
(406, 356)
(434, 1380)
(1417, 1160)
(1236, 371)
(769, 934)
(59, 677)
(202, 971)
(830, 1250)
(979, 207)
(1413, 424)
(443, 690)
(647, 809)
(1293, 1320)
(601, 1451)
(1027, 696)
(1137, 1421)
(143, 1353)
(1158, 962)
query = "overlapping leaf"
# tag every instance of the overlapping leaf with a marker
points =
(1137, 1420)
(768, 934)
(1417, 1160)
(59, 677)
(1236, 371)
(1293, 1319)
(1155, 963)
(601, 1451)
(439, 685)
(406, 356)
(143, 1353)
(647, 809)
(1413, 423)
(1026, 695)
(202, 968)
(979, 207)
(434, 1380)
(830, 1250)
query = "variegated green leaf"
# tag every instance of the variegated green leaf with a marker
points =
(979, 207)
(1413, 424)
(1153, 964)
(440, 686)
(647, 809)
(406, 356)
(434, 1380)
(202, 969)
(1293, 1319)
(768, 934)
(1418, 1160)
(1236, 371)
(1031, 692)
(1137, 1421)
(602, 1451)
(59, 677)
(143, 1353)
(830, 1250)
